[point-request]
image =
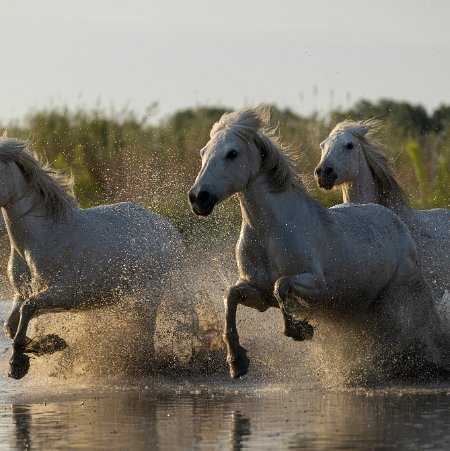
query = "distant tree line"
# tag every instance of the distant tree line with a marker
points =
(119, 156)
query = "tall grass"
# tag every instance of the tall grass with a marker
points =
(117, 156)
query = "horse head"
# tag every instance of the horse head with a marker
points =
(340, 159)
(229, 160)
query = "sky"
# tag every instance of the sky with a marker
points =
(306, 55)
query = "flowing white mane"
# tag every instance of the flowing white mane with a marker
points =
(56, 188)
(253, 124)
(392, 194)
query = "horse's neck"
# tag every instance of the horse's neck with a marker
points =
(362, 190)
(27, 222)
(264, 210)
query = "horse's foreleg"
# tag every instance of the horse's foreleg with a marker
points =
(286, 290)
(11, 324)
(34, 306)
(19, 362)
(241, 293)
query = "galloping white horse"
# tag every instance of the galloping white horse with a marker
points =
(354, 159)
(67, 258)
(358, 261)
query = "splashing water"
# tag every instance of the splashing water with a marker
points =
(115, 342)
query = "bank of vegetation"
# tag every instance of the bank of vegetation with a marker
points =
(119, 156)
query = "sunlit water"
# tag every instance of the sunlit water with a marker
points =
(197, 415)
(294, 397)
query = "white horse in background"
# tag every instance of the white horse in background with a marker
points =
(357, 261)
(353, 159)
(67, 258)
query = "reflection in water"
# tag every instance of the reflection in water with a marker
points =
(145, 419)
(22, 420)
(239, 431)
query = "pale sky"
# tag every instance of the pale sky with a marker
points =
(306, 55)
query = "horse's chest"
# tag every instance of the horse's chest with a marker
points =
(263, 262)
(253, 265)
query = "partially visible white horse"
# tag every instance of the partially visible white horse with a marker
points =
(354, 160)
(68, 258)
(357, 261)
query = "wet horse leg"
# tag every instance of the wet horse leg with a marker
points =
(19, 362)
(20, 278)
(245, 294)
(11, 324)
(43, 303)
(286, 290)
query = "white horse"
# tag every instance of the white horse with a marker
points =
(358, 261)
(68, 258)
(354, 160)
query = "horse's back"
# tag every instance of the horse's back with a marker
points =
(130, 237)
(127, 219)
(369, 222)
(377, 232)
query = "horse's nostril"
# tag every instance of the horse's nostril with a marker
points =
(327, 170)
(191, 196)
(203, 196)
(318, 171)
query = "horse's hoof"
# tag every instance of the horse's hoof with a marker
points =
(238, 364)
(45, 345)
(19, 366)
(299, 331)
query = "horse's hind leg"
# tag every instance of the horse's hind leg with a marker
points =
(241, 293)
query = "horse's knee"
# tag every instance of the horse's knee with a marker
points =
(233, 295)
(249, 297)
(282, 289)
(27, 309)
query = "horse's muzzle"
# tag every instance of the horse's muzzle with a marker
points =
(202, 202)
(326, 177)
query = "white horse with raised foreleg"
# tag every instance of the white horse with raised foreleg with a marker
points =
(353, 159)
(68, 258)
(358, 261)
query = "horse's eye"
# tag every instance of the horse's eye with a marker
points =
(349, 146)
(231, 154)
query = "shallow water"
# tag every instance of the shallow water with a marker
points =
(198, 415)
(280, 404)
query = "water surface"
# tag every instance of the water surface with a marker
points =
(280, 404)
(184, 417)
